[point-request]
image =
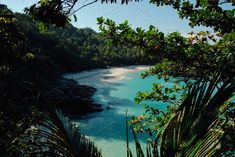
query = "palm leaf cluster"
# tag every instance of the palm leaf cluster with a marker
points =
(52, 134)
(195, 128)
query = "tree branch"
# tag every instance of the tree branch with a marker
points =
(71, 6)
(83, 6)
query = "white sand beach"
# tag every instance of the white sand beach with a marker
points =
(98, 77)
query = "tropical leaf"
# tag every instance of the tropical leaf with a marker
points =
(192, 129)
(195, 128)
(52, 134)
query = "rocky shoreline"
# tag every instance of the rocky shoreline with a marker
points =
(71, 97)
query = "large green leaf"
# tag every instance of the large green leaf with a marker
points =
(192, 130)
(52, 134)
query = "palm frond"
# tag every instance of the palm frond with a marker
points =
(194, 129)
(52, 134)
(191, 131)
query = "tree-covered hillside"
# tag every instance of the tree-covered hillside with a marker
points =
(75, 49)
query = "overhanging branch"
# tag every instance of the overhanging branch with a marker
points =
(83, 6)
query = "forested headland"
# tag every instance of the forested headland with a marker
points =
(73, 49)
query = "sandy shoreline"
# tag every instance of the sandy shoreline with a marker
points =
(98, 77)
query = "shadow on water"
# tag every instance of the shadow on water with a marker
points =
(109, 124)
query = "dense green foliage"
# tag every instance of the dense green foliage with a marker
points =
(12, 42)
(77, 49)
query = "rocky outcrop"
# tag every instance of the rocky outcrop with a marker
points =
(64, 94)
(72, 98)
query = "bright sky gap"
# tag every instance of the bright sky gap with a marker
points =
(141, 14)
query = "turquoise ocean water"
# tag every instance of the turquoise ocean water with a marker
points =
(107, 128)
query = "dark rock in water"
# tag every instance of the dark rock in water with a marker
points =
(72, 98)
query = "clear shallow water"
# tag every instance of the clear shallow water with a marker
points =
(107, 128)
